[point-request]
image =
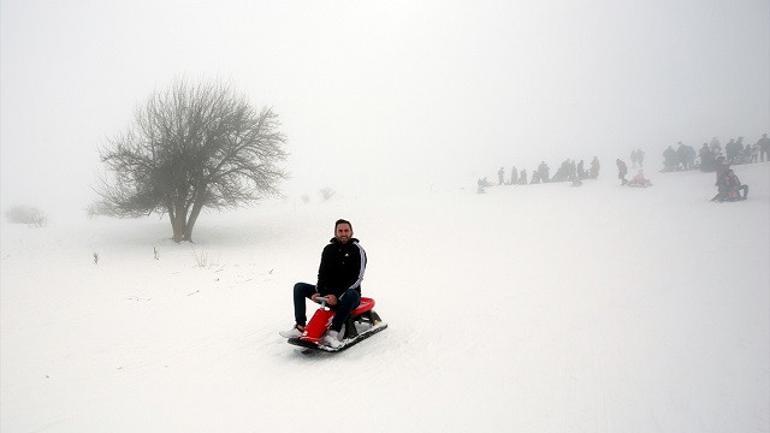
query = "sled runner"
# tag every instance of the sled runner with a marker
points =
(362, 324)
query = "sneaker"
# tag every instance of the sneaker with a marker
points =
(332, 339)
(294, 332)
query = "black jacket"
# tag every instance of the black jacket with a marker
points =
(342, 267)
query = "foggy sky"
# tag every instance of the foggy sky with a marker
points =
(383, 94)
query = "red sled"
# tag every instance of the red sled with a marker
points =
(362, 323)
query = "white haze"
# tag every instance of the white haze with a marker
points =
(378, 96)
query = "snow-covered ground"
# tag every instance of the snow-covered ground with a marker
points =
(544, 308)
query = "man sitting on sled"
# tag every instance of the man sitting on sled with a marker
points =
(343, 262)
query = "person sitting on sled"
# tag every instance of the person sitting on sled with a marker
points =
(343, 262)
(640, 181)
(729, 187)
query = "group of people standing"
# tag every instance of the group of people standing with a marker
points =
(711, 158)
(683, 158)
(568, 171)
(706, 159)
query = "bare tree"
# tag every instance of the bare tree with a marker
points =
(191, 147)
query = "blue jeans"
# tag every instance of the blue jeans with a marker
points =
(346, 303)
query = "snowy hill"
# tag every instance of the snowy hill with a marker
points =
(544, 308)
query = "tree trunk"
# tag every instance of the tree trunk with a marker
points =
(189, 228)
(179, 225)
(196, 210)
(178, 229)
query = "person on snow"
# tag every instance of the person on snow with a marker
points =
(543, 172)
(581, 172)
(731, 150)
(501, 176)
(721, 182)
(729, 188)
(707, 158)
(735, 187)
(739, 150)
(480, 186)
(523, 177)
(343, 262)
(670, 159)
(681, 156)
(715, 146)
(764, 147)
(595, 168)
(721, 167)
(640, 181)
(689, 162)
(622, 171)
(752, 153)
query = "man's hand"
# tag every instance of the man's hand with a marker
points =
(331, 299)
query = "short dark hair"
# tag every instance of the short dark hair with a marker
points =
(342, 221)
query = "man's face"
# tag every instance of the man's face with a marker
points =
(343, 233)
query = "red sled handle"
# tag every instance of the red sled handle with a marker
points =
(323, 316)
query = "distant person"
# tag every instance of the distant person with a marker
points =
(735, 187)
(721, 167)
(562, 173)
(681, 155)
(594, 168)
(622, 171)
(731, 150)
(640, 181)
(542, 172)
(514, 176)
(670, 159)
(751, 153)
(523, 177)
(483, 183)
(535, 177)
(739, 150)
(500, 176)
(707, 158)
(690, 155)
(715, 146)
(729, 188)
(581, 172)
(764, 147)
